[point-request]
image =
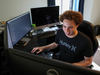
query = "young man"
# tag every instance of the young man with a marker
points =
(75, 47)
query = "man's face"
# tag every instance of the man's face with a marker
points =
(70, 28)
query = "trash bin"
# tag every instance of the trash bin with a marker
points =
(97, 29)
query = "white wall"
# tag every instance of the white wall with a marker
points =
(92, 11)
(95, 13)
(87, 9)
(13, 8)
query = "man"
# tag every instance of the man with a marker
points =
(75, 47)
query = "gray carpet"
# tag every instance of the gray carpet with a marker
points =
(96, 57)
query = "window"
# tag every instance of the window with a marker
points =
(75, 5)
(63, 5)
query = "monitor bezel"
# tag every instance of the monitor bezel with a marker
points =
(47, 61)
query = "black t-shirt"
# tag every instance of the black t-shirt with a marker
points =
(73, 49)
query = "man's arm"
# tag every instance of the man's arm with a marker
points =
(86, 62)
(51, 46)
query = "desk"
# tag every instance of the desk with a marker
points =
(37, 40)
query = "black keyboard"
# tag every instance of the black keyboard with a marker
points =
(47, 54)
(38, 31)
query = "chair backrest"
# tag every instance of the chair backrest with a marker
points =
(88, 29)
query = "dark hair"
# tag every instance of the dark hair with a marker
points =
(72, 15)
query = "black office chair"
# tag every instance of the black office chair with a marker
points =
(88, 29)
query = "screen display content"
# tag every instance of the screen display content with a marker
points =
(19, 27)
(45, 15)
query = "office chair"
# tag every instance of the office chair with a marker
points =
(88, 29)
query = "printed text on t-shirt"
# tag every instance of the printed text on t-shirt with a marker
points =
(71, 47)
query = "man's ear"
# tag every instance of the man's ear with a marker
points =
(77, 25)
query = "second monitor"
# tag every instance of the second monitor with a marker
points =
(45, 15)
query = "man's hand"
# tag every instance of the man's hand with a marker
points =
(40, 49)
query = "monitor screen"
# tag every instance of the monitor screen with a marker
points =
(23, 63)
(19, 27)
(45, 15)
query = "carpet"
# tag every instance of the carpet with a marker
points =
(96, 57)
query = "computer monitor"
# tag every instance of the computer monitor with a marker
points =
(23, 63)
(19, 27)
(45, 16)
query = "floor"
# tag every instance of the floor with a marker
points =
(95, 63)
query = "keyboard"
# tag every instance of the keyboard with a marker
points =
(38, 31)
(46, 54)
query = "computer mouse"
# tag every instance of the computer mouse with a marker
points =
(36, 52)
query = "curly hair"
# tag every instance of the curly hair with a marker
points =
(72, 15)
